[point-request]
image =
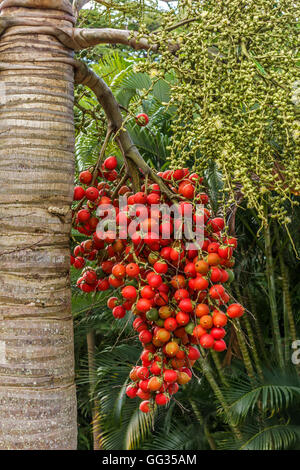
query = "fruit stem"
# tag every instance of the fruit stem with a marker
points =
(101, 154)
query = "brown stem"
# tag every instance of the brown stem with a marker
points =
(80, 38)
(102, 153)
(87, 77)
(88, 37)
(121, 182)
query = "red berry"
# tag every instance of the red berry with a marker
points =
(213, 247)
(111, 163)
(147, 292)
(235, 310)
(119, 312)
(160, 267)
(143, 305)
(142, 373)
(187, 191)
(182, 318)
(193, 353)
(143, 384)
(131, 391)
(178, 174)
(219, 345)
(142, 119)
(170, 324)
(119, 271)
(215, 274)
(90, 277)
(140, 198)
(112, 302)
(156, 368)
(161, 399)
(218, 333)
(217, 291)
(79, 193)
(145, 406)
(83, 215)
(145, 336)
(92, 194)
(85, 177)
(216, 224)
(219, 319)
(129, 292)
(170, 375)
(186, 305)
(225, 252)
(200, 283)
(132, 270)
(173, 388)
(207, 341)
(154, 280)
(181, 294)
(153, 198)
(190, 270)
(79, 262)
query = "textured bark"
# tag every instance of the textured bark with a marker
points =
(91, 37)
(37, 392)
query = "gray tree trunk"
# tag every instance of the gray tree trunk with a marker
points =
(37, 391)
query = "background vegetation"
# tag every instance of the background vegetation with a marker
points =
(247, 397)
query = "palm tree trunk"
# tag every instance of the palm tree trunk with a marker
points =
(289, 322)
(257, 326)
(272, 297)
(91, 345)
(252, 343)
(37, 392)
(219, 368)
(244, 349)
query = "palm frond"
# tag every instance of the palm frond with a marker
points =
(274, 437)
(275, 394)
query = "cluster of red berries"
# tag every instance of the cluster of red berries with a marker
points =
(177, 295)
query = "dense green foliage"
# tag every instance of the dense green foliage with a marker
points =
(236, 94)
(247, 397)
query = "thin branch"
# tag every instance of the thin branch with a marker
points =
(102, 153)
(87, 77)
(88, 37)
(120, 184)
(83, 38)
(182, 23)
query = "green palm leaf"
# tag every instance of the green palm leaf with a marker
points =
(274, 437)
(275, 394)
